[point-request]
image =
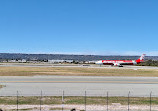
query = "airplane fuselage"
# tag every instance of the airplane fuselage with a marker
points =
(121, 62)
(112, 62)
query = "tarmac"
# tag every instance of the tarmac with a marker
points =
(74, 65)
(77, 85)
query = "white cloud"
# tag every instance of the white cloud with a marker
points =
(126, 53)
(148, 53)
(130, 53)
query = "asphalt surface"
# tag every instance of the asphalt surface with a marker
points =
(77, 85)
(74, 65)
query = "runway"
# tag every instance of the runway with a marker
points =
(75, 65)
(77, 85)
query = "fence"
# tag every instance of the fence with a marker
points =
(86, 102)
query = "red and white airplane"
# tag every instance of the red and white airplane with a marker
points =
(121, 62)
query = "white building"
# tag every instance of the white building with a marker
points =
(60, 61)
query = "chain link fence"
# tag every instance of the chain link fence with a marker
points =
(86, 102)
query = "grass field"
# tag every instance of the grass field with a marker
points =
(78, 100)
(76, 71)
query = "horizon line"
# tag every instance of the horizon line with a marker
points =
(73, 54)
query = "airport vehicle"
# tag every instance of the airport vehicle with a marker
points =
(120, 63)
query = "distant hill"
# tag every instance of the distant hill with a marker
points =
(68, 57)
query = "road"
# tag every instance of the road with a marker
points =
(77, 85)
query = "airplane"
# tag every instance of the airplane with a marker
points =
(120, 63)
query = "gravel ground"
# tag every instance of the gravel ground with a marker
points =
(114, 107)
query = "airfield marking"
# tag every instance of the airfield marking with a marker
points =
(78, 82)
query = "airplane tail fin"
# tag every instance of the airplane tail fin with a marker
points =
(142, 58)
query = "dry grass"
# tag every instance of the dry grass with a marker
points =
(75, 71)
(48, 100)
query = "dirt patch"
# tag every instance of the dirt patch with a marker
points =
(1, 86)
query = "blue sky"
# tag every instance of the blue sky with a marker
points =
(102, 27)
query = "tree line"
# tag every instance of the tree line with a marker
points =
(149, 63)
